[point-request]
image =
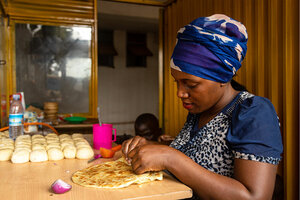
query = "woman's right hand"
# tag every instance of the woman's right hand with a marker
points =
(165, 139)
(131, 144)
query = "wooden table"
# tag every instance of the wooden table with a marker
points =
(33, 180)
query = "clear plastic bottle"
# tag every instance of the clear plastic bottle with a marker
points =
(16, 114)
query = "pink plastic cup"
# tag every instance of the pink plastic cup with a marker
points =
(102, 136)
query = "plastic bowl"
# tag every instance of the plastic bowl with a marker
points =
(75, 120)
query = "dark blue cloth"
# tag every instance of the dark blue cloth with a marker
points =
(211, 47)
(255, 129)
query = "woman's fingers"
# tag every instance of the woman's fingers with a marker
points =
(125, 147)
(134, 143)
(136, 162)
(139, 169)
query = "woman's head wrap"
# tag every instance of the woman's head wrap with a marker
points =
(211, 48)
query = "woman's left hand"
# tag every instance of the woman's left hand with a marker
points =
(149, 158)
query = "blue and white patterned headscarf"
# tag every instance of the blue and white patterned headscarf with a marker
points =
(211, 48)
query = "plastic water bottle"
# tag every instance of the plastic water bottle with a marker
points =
(16, 114)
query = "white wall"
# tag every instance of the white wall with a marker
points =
(124, 93)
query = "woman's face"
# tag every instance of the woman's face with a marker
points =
(197, 94)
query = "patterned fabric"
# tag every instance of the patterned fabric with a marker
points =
(211, 147)
(211, 48)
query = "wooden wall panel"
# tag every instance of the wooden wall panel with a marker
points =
(3, 71)
(270, 69)
(66, 10)
(290, 84)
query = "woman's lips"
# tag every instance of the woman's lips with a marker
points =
(187, 106)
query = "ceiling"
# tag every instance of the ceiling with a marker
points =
(118, 22)
(143, 2)
(115, 15)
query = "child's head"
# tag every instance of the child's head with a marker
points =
(146, 125)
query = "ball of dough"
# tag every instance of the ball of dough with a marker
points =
(66, 140)
(7, 147)
(84, 153)
(24, 137)
(52, 140)
(51, 135)
(81, 142)
(38, 155)
(37, 136)
(22, 148)
(5, 154)
(4, 134)
(23, 142)
(55, 154)
(63, 145)
(6, 140)
(69, 151)
(38, 146)
(78, 139)
(77, 135)
(64, 136)
(83, 145)
(39, 140)
(49, 146)
(20, 156)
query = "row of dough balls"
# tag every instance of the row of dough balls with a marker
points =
(51, 147)
(7, 147)
(4, 134)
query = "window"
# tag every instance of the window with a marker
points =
(106, 48)
(53, 63)
(137, 50)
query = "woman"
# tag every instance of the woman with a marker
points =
(230, 145)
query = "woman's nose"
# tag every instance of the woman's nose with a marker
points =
(181, 92)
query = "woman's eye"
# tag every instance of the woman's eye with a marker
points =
(192, 86)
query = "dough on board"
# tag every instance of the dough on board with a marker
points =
(20, 156)
(69, 151)
(5, 154)
(84, 153)
(55, 154)
(39, 155)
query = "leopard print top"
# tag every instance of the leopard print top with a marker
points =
(208, 145)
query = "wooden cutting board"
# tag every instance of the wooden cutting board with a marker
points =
(33, 180)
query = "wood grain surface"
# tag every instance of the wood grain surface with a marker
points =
(33, 181)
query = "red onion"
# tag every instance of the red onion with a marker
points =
(60, 187)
